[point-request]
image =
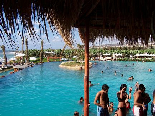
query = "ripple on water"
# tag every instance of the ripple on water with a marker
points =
(48, 90)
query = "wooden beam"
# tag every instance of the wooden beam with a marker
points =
(86, 76)
(86, 13)
(113, 27)
(93, 7)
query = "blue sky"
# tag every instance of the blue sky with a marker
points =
(55, 40)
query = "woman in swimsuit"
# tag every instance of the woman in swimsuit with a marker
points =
(153, 104)
(122, 96)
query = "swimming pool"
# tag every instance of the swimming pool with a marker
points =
(48, 90)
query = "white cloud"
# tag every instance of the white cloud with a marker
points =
(56, 39)
(36, 23)
(36, 30)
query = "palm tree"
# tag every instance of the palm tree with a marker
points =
(22, 50)
(63, 49)
(22, 45)
(80, 52)
(41, 52)
(4, 55)
(27, 54)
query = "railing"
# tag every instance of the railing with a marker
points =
(53, 58)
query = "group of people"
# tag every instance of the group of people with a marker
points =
(141, 100)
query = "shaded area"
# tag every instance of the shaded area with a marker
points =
(130, 20)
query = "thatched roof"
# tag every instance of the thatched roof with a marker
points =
(127, 19)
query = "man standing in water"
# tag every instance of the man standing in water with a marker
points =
(139, 101)
(103, 101)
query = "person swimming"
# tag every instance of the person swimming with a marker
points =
(115, 73)
(90, 84)
(102, 101)
(130, 78)
(122, 96)
(110, 108)
(76, 113)
(81, 100)
(149, 70)
(139, 101)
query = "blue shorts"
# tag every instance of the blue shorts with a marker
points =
(102, 112)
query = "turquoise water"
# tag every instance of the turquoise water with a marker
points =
(6, 73)
(48, 90)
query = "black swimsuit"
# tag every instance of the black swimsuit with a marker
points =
(119, 99)
(123, 109)
(153, 109)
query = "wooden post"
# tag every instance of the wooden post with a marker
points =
(86, 76)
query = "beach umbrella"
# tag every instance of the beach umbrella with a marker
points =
(33, 58)
(20, 55)
(12, 59)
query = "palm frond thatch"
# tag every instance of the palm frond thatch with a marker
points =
(126, 19)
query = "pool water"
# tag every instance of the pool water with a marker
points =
(48, 90)
(5, 73)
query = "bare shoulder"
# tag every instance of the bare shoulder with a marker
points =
(137, 93)
(118, 92)
(98, 93)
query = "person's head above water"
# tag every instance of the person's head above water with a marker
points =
(123, 86)
(105, 87)
(141, 87)
(81, 99)
(76, 113)
(111, 104)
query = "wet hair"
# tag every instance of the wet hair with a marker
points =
(141, 87)
(81, 98)
(111, 103)
(105, 87)
(122, 86)
(89, 81)
(154, 94)
(76, 113)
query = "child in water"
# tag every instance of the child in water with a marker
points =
(110, 108)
